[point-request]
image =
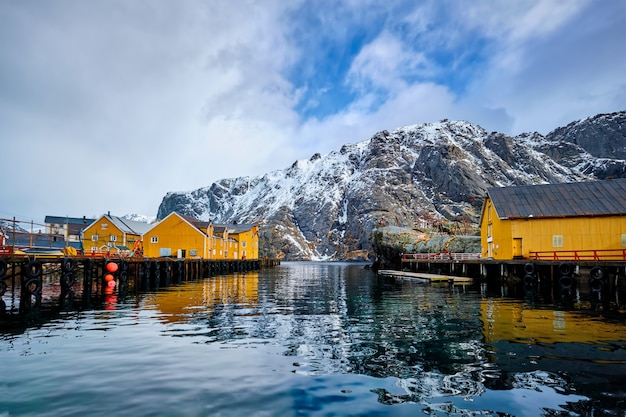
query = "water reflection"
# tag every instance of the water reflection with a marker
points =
(438, 342)
(342, 341)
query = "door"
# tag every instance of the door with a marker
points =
(517, 247)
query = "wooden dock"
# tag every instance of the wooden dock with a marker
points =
(424, 277)
(76, 282)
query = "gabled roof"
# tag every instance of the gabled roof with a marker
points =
(199, 224)
(219, 228)
(594, 198)
(233, 228)
(202, 225)
(129, 226)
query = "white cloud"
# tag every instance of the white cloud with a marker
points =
(108, 105)
(384, 63)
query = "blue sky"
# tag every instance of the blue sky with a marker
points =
(107, 105)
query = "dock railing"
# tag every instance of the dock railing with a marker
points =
(448, 256)
(580, 255)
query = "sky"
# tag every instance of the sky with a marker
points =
(107, 105)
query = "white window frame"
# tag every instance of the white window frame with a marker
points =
(557, 241)
(154, 239)
(113, 238)
(94, 238)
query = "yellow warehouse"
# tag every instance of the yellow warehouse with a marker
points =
(182, 236)
(585, 220)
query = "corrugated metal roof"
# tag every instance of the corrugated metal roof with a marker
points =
(130, 226)
(594, 198)
(234, 228)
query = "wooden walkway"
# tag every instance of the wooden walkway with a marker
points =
(424, 277)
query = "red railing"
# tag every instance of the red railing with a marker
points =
(580, 255)
(440, 256)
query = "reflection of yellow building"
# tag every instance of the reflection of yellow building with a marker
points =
(180, 303)
(185, 237)
(511, 321)
(583, 216)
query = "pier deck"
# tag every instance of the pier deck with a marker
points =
(425, 277)
(71, 282)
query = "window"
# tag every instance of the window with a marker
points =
(243, 243)
(104, 226)
(193, 252)
(623, 240)
(154, 239)
(94, 238)
(113, 238)
(557, 241)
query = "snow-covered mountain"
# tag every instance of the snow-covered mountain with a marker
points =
(325, 207)
(142, 218)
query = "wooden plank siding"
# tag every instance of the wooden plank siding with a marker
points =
(173, 234)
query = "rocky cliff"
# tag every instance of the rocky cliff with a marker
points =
(416, 177)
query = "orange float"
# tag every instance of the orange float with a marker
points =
(111, 266)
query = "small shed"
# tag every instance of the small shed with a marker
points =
(572, 219)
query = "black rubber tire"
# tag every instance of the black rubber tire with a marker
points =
(597, 273)
(3, 267)
(68, 264)
(566, 282)
(32, 286)
(68, 280)
(596, 285)
(529, 268)
(566, 269)
(33, 269)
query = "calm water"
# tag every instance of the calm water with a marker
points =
(317, 339)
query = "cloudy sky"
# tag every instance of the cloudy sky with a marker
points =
(106, 105)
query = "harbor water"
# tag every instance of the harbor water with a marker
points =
(318, 339)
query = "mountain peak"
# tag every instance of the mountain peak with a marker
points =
(325, 207)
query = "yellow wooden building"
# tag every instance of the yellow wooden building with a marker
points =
(234, 241)
(570, 220)
(182, 236)
(112, 235)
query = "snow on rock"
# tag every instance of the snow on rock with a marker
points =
(326, 206)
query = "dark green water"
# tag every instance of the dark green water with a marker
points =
(316, 339)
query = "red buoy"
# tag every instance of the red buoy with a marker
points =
(111, 266)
